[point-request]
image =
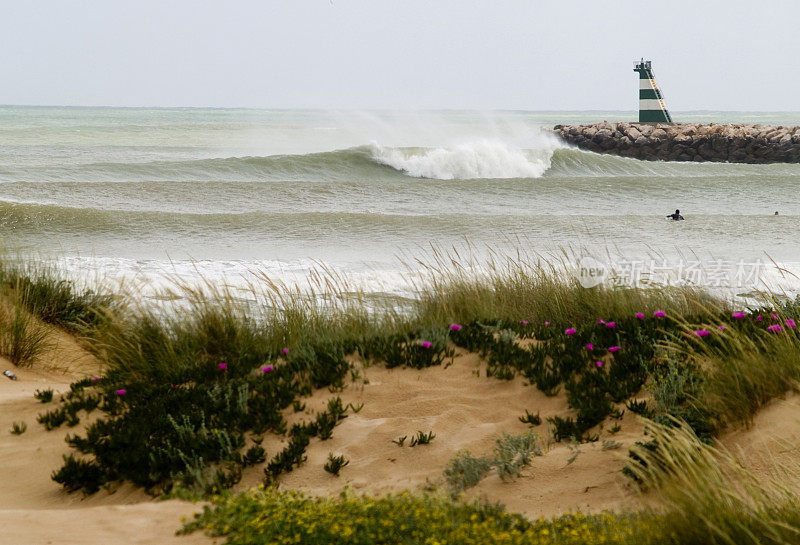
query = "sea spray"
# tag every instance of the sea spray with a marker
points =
(478, 159)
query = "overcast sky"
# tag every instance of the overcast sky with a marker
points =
(362, 54)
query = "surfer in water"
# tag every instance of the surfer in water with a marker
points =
(676, 216)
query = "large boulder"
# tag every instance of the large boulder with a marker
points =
(658, 133)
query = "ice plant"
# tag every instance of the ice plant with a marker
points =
(95, 379)
(525, 322)
(774, 316)
(426, 344)
(267, 369)
(739, 315)
(570, 331)
(722, 328)
(701, 332)
(599, 363)
(640, 315)
(659, 314)
(611, 324)
(601, 321)
(614, 348)
(121, 392)
(589, 347)
(547, 323)
(790, 322)
(759, 317)
(222, 366)
(456, 327)
(775, 328)
(285, 351)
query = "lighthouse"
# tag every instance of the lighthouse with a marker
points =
(651, 103)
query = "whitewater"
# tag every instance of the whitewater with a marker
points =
(137, 193)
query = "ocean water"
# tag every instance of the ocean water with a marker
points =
(220, 193)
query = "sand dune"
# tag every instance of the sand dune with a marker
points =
(464, 408)
(34, 510)
(465, 411)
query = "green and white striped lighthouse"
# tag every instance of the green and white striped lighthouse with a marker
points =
(651, 104)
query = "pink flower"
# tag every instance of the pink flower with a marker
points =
(659, 314)
(611, 324)
(775, 328)
(547, 323)
(614, 348)
(525, 322)
(601, 321)
(95, 379)
(267, 369)
(285, 351)
(774, 316)
(759, 317)
(456, 327)
(570, 331)
(722, 328)
(222, 366)
(790, 323)
(701, 332)
(426, 344)
(599, 363)
(640, 315)
(589, 347)
(121, 392)
(739, 315)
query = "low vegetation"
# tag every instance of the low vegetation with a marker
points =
(22, 337)
(191, 388)
(708, 499)
(335, 464)
(512, 453)
(41, 289)
(18, 428)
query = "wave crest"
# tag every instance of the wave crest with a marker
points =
(472, 160)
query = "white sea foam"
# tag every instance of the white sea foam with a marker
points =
(477, 159)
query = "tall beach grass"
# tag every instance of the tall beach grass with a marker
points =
(206, 357)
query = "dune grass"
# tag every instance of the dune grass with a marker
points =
(707, 496)
(513, 288)
(189, 379)
(22, 337)
(742, 362)
(42, 289)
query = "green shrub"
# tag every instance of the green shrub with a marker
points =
(255, 455)
(514, 452)
(18, 428)
(465, 471)
(422, 438)
(511, 454)
(78, 474)
(335, 464)
(45, 396)
(530, 419)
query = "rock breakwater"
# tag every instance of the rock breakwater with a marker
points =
(734, 143)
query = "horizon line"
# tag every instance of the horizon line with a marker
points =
(349, 109)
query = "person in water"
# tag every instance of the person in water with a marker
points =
(676, 216)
